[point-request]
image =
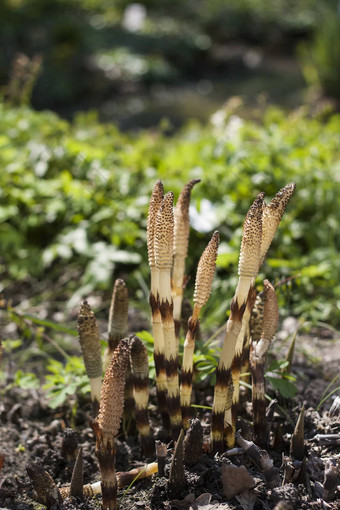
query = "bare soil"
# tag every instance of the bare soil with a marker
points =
(31, 431)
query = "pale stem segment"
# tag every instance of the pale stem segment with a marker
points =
(204, 278)
(180, 251)
(124, 478)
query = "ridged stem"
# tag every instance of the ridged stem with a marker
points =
(258, 354)
(106, 425)
(181, 241)
(248, 268)
(140, 372)
(91, 350)
(204, 278)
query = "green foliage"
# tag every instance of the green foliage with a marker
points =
(281, 379)
(65, 381)
(74, 201)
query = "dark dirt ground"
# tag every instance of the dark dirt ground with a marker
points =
(31, 431)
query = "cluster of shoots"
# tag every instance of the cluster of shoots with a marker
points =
(250, 329)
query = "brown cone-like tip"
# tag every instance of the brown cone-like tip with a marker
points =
(89, 341)
(69, 445)
(164, 233)
(205, 272)
(251, 240)
(155, 203)
(46, 490)
(118, 315)
(181, 217)
(112, 395)
(256, 318)
(193, 443)
(272, 214)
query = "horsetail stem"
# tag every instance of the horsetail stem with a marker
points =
(140, 372)
(257, 361)
(271, 217)
(237, 360)
(254, 328)
(118, 318)
(106, 425)
(90, 346)
(156, 319)
(204, 278)
(164, 235)
(180, 251)
(248, 268)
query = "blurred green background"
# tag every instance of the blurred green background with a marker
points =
(100, 99)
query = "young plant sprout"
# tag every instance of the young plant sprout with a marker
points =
(118, 318)
(90, 346)
(46, 491)
(177, 474)
(258, 351)
(164, 236)
(181, 242)
(203, 284)
(140, 378)
(106, 425)
(248, 268)
(156, 319)
(77, 480)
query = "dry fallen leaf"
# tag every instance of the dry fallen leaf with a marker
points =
(235, 480)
